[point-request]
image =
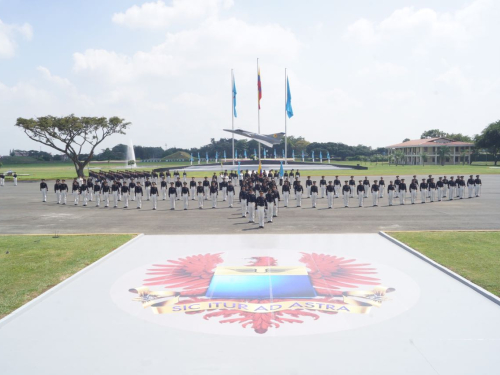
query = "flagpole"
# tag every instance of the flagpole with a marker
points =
(258, 109)
(232, 107)
(286, 155)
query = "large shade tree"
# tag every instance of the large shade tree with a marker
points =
(490, 139)
(72, 135)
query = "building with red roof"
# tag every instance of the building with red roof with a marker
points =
(414, 149)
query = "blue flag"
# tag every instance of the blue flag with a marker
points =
(320, 155)
(224, 154)
(283, 152)
(236, 154)
(245, 154)
(313, 155)
(328, 155)
(288, 107)
(255, 152)
(282, 172)
(234, 98)
(207, 156)
(239, 170)
(198, 156)
(302, 154)
(191, 156)
(275, 153)
(293, 154)
(216, 155)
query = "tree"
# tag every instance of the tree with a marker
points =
(490, 139)
(70, 134)
(443, 152)
(433, 133)
(423, 157)
(406, 140)
(398, 157)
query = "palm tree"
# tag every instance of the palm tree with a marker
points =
(463, 154)
(443, 152)
(423, 157)
(399, 156)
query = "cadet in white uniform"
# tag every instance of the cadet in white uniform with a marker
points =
(330, 194)
(15, 179)
(360, 189)
(139, 194)
(322, 186)
(163, 186)
(375, 190)
(230, 193)
(154, 195)
(402, 191)
(192, 188)
(213, 194)
(185, 195)
(200, 192)
(298, 193)
(346, 191)
(478, 184)
(424, 190)
(57, 191)
(390, 192)
(43, 189)
(172, 194)
(261, 205)
(314, 194)
(269, 207)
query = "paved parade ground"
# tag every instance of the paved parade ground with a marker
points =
(285, 304)
(23, 212)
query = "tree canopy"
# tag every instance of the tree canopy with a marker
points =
(490, 139)
(436, 133)
(72, 135)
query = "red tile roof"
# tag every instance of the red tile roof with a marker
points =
(429, 142)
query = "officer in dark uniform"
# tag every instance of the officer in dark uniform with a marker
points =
(432, 189)
(213, 193)
(446, 186)
(308, 186)
(84, 191)
(251, 198)
(230, 193)
(375, 190)
(105, 193)
(298, 193)
(163, 187)
(470, 185)
(75, 190)
(451, 188)
(178, 186)
(366, 185)
(439, 187)
(97, 192)
(285, 190)
(277, 198)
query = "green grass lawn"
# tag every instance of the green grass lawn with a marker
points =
(473, 255)
(53, 170)
(35, 264)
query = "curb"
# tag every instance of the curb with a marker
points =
(30, 304)
(447, 271)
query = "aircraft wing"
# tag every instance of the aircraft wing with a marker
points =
(266, 139)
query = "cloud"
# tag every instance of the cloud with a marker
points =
(214, 43)
(159, 15)
(383, 70)
(459, 26)
(8, 35)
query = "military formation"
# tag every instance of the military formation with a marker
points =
(258, 195)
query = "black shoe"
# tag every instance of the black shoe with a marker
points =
(185, 209)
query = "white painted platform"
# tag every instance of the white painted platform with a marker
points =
(413, 319)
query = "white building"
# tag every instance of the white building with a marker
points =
(413, 150)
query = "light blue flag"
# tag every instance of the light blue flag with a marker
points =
(236, 154)
(275, 153)
(198, 156)
(224, 154)
(234, 98)
(302, 154)
(283, 152)
(289, 110)
(191, 156)
(207, 156)
(328, 155)
(282, 172)
(245, 154)
(293, 154)
(320, 155)
(255, 153)
(216, 155)
(265, 153)
(239, 172)
(313, 155)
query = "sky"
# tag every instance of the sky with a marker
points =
(361, 72)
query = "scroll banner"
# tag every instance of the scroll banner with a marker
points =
(373, 298)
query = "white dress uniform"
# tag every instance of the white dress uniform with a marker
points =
(97, 194)
(192, 189)
(375, 196)
(314, 196)
(213, 196)
(413, 195)
(185, 197)
(346, 192)
(361, 196)
(138, 195)
(390, 194)
(270, 209)
(105, 196)
(43, 189)
(251, 211)
(261, 210)
(76, 194)
(163, 191)
(322, 186)
(402, 194)
(330, 194)
(230, 197)
(15, 180)
(172, 191)
(298, 197)
(199, 193)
